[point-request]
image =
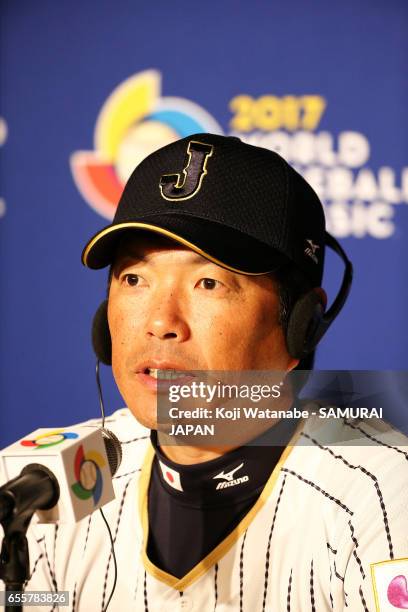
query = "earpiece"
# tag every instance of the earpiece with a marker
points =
(304, 321)
(101, 338)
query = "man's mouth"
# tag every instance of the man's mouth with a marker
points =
(159, 374)
(161, 378)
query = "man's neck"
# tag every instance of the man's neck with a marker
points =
(190, 455)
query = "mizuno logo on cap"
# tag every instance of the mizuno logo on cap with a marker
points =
(310, 250)
(186, 184)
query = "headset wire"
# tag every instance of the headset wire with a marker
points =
(115, 565)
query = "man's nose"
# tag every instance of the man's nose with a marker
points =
(166, 319)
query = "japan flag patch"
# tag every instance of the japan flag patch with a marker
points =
(390, 584)
(171, 477)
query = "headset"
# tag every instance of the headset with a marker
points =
(308, 320)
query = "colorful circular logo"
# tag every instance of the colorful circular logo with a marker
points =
(134, 121)
(88, 474)
(49, 439)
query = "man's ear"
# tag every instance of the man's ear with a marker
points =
(293, 363)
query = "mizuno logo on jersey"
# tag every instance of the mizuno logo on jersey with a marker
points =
(229, 480)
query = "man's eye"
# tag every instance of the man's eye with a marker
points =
(209, 283)
(131, 280)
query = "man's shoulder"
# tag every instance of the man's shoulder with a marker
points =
(366, 436)
(350, 458)
(121, 422)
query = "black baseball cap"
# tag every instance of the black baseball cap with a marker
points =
(238, 205)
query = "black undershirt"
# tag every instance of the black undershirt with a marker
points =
(185, 526)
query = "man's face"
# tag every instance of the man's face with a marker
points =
(170, 308)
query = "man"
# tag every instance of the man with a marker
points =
(217, 255)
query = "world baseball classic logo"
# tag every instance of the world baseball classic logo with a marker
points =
(89, 481)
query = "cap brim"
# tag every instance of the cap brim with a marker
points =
(224, 246)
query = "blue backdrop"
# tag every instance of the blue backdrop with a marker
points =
(88, 88)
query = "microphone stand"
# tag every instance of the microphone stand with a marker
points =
(35, 489)
(14, 564)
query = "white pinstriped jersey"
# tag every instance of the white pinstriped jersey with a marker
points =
(326, 514)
